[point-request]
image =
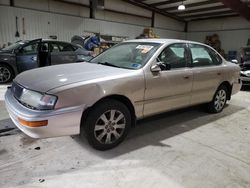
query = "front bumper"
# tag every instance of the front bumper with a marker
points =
(61, 122)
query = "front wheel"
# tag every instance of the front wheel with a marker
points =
(6, 74)
(219, 100)
(107, 124)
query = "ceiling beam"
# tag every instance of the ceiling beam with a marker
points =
(109, 10)
(239, 7)
(209, 14)
(214, 17)
(165, 2)
(146, 6)
(190, 5)
(201, 9)
(73, 3)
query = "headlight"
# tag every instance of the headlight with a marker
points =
(37, 100)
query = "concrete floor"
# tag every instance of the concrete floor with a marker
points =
(183, 149)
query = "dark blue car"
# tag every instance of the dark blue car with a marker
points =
(26, 55)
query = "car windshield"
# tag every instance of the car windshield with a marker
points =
(14, 46)
(129, 55)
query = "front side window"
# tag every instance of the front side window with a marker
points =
(174, 55)
(130, 55)
(203, 56)
(44, 47)
(29, 49)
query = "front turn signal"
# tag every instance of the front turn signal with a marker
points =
(33, 123)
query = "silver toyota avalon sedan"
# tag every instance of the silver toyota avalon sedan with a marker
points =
(103, 98)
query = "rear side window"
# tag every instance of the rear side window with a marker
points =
(54, 47)
(66, 47)
(203, 56)
(44, 47)
(216, 58)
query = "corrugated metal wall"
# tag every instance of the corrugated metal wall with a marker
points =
(42, 24)
(233, 32)
(37, 25)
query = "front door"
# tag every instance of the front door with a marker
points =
(27, 56)
(169, 89)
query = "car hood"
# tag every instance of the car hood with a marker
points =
(5, 56)
(48, 78)
(5, 52)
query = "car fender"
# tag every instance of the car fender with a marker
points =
(89, 93)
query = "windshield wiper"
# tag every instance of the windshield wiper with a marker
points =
(108, 64)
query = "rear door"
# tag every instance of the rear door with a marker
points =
(62, 53)
(27, 56)
(207, 73)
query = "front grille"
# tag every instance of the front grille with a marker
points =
(28, 106)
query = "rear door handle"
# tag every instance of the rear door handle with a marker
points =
(186, 77)
(218, 73)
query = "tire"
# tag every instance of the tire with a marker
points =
(219, 100)
(6, 74)
(107, 124)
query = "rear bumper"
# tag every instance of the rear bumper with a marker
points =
(61, 122)
(245, 80)
(236, 86)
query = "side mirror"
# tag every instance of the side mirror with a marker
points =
(234, 61)
(164, 66)
(155, 68)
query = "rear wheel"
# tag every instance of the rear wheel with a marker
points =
(107, 124)
(219, 100)
(6, 74)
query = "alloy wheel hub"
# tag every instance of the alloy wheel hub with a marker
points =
(110, 126)
(220, 100)
(4, 74)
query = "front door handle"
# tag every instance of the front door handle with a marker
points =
(33, 58)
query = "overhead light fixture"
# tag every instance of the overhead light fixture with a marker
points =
(181, 7)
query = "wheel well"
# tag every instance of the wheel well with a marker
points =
(12, 70)
(119, 98)
(229, 88)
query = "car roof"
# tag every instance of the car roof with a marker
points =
(45, 40)
(52, 40)
(166, 41)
